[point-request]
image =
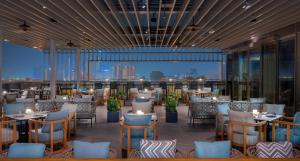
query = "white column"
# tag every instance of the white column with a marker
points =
(78, 67)
(1, 53)
(52, 74)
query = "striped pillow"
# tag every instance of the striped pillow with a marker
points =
(158, 149)
(274, 150)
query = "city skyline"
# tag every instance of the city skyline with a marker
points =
(31, 65)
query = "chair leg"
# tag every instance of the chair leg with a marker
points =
(91, 122)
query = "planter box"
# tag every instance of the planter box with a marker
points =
(171, 117)
(113, 116)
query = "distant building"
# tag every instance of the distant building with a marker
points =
(156, 75)
(124, 72)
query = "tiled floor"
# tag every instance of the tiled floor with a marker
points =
(181, 131)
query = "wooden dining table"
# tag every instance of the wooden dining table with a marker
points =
(22, 122)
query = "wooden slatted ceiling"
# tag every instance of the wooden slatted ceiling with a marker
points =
(111, 24)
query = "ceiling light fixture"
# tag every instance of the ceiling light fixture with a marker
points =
(254, 38)
(143, 6)
(44, 7)
(211, 31)
(246, 5)
(193, 45)
(35, 47)
(6, 40)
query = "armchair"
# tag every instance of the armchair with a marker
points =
(51, 131)
(133, 129)
(287, 130)
(222, 118)
(9, 133)
(86, 110)
(242, 132)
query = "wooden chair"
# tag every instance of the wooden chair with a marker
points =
(71, 124)
(8, 135)
(287, 129)
(129, 128)
(50, 137)
(222, 108)
(245, 126)
(220, 122)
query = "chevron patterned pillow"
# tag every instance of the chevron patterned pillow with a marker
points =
(274, 150)
(158, 149)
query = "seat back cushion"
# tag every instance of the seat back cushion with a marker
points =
(223, 108)
(91, 150)
(274, 108)
(26, 150)
(218, 149)
(158, 149)
(69, 107)
(60, 115)
(137, 120)
(146, 107)
(242, 117)
(274, 150)
(14, 108)
(296, 129)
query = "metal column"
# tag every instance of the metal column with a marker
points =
(78, 67)
(1, 53)
(52, 74)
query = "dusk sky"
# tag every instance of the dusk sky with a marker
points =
(22, 62)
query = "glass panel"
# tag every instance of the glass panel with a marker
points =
(255, 73)
(286, 72)
(269, 72)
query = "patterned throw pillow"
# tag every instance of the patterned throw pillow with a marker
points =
(274, 150)
(158, 149)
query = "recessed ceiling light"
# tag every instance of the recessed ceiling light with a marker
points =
(6, 40)
(211, 31)
(143, 6)
(44, 7)
(246, 5)
(35, 47)
(193, 45)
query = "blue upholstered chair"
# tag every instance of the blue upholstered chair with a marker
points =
(222, 109)
(134, 128)
(287, 131)
(217, 149)
(53, 129)
(26, 150)
(243, 131)
(91, 150)
(14, 108)
(8, 132)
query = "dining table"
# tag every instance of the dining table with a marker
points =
(22, 122)
(268, 118)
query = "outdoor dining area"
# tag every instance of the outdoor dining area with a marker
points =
(243, 129)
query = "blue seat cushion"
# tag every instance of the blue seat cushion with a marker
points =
(26, 150)
(280, 135)
(45, 137)
(91, 150)
(223, 108)
(218, 149)
(137, 120)
(60, 115)
(139, 133)
(297, 120)
(14, 108)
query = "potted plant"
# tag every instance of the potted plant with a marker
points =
(171, 112)
(113, 109)
(121, 98)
